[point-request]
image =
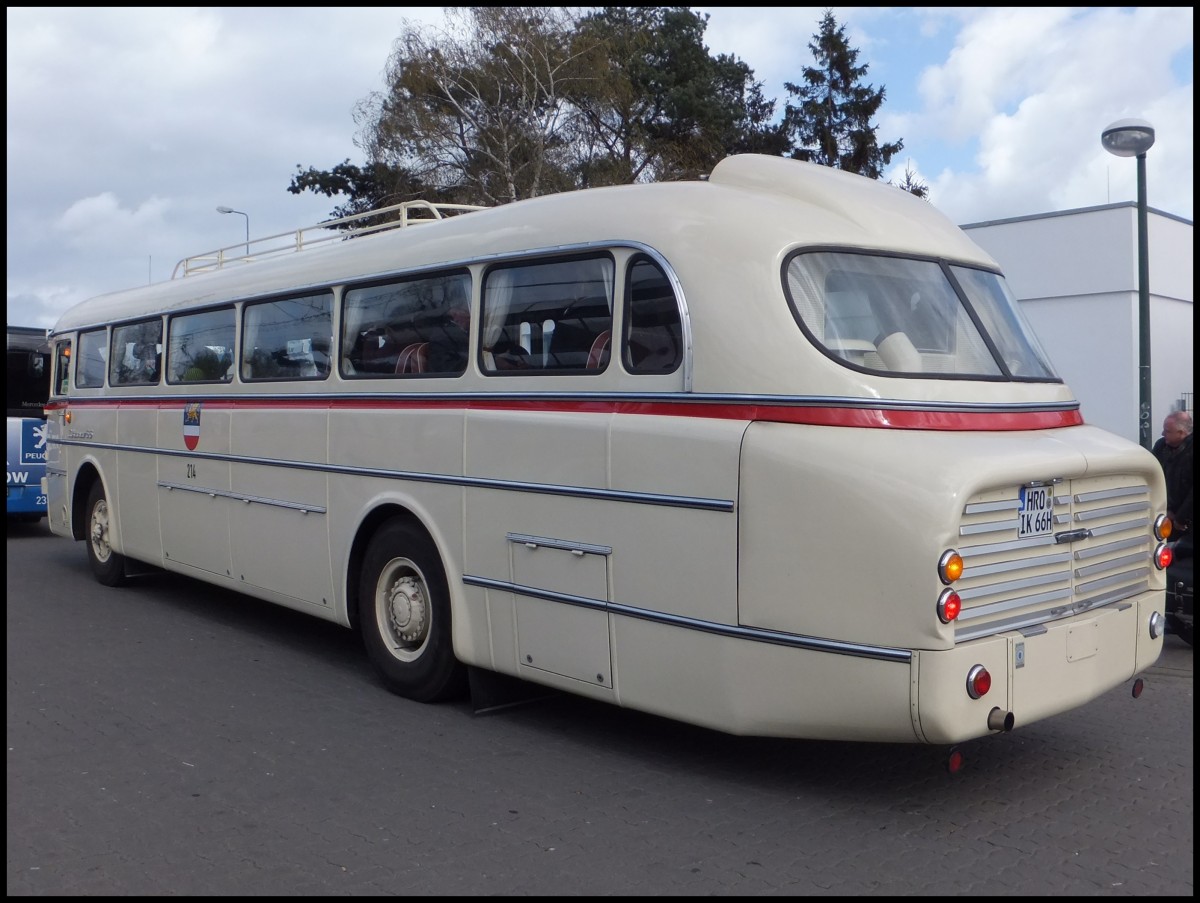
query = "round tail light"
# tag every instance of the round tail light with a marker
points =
(979, 681)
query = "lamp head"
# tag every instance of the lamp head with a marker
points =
(1128, 137)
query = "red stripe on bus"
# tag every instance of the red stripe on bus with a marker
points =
(914, 418)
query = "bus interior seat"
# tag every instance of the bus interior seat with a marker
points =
(899, 354)
(598, 356)
(412, 358)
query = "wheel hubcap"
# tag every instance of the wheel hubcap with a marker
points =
(408, 611)
(100, 532)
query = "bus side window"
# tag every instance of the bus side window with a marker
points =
(91, 362)
(136, 354)
(430, 313)
(200, 346)
(653, 330)
(288, 338)
(547, 315)
(62, 367)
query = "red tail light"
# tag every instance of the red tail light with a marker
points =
(949, 606)
(1163, 556)
(979, 681)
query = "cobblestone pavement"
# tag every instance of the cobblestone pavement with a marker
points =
(171, 739)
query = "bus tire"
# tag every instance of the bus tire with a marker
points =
(108, 566)
(404, 613)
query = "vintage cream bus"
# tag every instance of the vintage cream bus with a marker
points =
(772, 452)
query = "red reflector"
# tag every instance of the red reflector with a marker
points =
(979, 681)
(1163, 557)
(955, 761)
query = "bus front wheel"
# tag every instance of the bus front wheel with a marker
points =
(107, 565)
(404, 611)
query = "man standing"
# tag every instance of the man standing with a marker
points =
(1174, 453)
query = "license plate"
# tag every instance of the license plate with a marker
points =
(1035, 514)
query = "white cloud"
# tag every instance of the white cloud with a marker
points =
(127, 127)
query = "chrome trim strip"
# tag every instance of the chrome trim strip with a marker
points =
(996, 589)
(1113, 580)
(1133, 542)
(1019, 564)
(982, 611)
(1027, 624)
(1011, 545)
(1102, 567)
(1097, 513)
(618, 495)
(466, 398)
(751, 634)
(994, 526)
(242, 497)
(1117, 595)
(1143, 524)
(984, 507)
(1112, 493)
(567, 545)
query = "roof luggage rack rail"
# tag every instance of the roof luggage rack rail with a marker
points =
(397, 216)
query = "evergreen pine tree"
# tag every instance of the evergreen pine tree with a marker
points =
(831, 125)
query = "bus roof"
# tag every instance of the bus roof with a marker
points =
(751, 206)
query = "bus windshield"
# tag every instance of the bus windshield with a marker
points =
(913, 317)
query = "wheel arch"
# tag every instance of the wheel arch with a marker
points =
(85, 479)
(367, 529)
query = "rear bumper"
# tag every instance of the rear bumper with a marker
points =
(1036, 673)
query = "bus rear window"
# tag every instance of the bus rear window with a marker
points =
(900, 316)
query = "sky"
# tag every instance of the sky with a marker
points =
(127, 127)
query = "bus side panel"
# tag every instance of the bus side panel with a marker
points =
(193, 500)
(278, 524)
(760, 689)
(680, 561)
(93, 427)
(136, 477)
(402, 443)
(534, 451)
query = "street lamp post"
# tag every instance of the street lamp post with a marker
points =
(247, 215)
(1132, 138)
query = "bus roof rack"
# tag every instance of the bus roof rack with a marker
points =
(397, 216)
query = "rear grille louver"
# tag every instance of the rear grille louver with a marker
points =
(1098, 554)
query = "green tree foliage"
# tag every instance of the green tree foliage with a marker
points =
(367, 187)
(831, 124)
(512, 102)
(479, 111)
(661, 107)
(912, 184)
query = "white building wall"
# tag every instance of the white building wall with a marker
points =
(1076, 276)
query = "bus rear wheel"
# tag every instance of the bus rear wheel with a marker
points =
(404, 611)
(108, 566)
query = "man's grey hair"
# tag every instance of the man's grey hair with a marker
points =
(1181, 419)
